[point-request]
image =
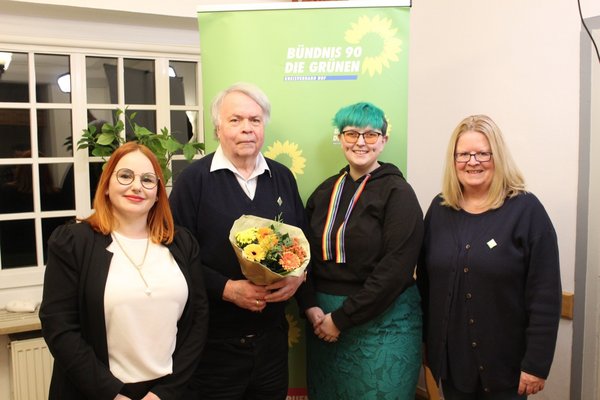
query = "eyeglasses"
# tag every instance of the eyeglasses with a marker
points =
(125, 176)
(480, 156)
(370, 137)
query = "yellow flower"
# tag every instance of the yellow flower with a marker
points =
(290, 149)
(264, 231)
(268, 242)
(254, 252)
(390, 44)
(293, 330)
(245, 237)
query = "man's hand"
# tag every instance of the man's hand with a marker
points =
(245, 294)
(283, 289)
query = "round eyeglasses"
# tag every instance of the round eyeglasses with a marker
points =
(370, 137)
(125, 176)
(480, 156)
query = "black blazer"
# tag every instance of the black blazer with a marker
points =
(72, 315)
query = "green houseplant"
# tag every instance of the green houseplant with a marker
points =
(104, 141)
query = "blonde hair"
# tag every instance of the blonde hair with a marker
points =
(160, 220)
(507, 180)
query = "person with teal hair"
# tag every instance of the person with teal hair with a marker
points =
(365, 230)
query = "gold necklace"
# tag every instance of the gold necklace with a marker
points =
(138, 267)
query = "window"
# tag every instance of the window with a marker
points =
(47, 97)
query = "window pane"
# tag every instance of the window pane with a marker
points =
(101, 80)
(144, 118)
(14, 79)
(16, 189)
(139, 81)
(17, 243)
(55, 137)
(183, 84)
(48, 226)
(48, 68)
(183, 126)
(95, 169)
(14, 132)
(57, 187)
(99, 117)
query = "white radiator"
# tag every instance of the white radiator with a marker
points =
(30, 369)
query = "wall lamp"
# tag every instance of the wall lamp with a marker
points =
(64, 82)
(5, 59)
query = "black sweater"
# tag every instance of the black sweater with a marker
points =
(207, 203)
(383, 239)
(491, 292)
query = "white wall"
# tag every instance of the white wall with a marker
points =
(517, 61)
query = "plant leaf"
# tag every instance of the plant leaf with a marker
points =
(105, 139)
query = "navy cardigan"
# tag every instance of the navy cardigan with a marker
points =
(491, 292)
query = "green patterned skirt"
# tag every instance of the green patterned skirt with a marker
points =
(377, 360)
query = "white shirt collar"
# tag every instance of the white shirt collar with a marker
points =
(220, 161)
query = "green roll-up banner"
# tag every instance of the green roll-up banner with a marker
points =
(310, 59)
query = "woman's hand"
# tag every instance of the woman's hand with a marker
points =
(150, 396)
(121, 397)
(315, 316)
(283, 289)
(530, 384)
(327, 329)
(245, 294)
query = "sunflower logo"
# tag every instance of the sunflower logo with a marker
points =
(378, 29)
(280, 151)
(389, 126)
(293, 330)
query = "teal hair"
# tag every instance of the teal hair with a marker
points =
(360, 115)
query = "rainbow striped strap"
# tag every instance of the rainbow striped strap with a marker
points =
(334, 204)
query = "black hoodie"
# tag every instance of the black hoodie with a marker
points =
(382, 243)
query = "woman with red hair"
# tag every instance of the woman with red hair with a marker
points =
(124, 309)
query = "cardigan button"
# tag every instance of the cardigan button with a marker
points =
(474, 344)
(468, 246)
(466, 269)
(468, 296)
(481, 368)
(471, 321)
(487, 390)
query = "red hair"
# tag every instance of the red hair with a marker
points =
(160, 220)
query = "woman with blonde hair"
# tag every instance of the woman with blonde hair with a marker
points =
(124, 309)
(488, 274)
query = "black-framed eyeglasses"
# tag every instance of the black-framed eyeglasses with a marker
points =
(480, 156)
(125, 176)
(370, 137)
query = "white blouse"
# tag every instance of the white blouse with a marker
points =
(141, 317)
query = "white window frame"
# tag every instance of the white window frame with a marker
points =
(77, 50)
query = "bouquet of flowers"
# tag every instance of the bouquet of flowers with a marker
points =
(268, 250)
